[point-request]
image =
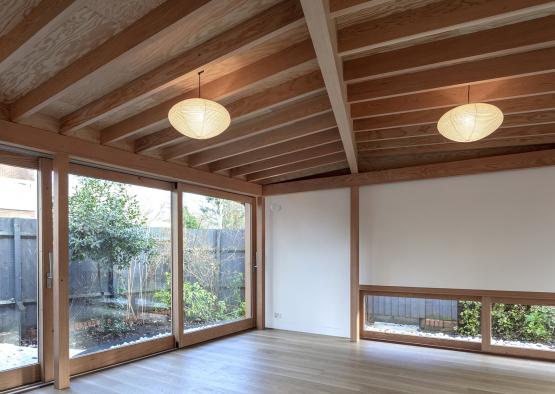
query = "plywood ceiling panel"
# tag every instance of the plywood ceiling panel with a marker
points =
(70, 38)
(176, 39)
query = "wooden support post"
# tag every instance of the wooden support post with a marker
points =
(61, 272)
(177, 265)
(260, 262)
(45, 270)
(355, 310)
(486, 324)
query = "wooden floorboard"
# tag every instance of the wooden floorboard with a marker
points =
(274, 361)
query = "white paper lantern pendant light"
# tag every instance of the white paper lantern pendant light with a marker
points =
(199, 118)
(470, 122)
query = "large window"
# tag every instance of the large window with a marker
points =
(423, 317)
(18, 267)
(120, 264)
(523, 326)
(216, 261)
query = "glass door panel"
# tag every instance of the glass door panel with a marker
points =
(19, 301)
(216, 261)
(120, 264)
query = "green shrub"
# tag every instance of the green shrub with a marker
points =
(527, 323)
(513, 322)
(468, 323)
(201, 305)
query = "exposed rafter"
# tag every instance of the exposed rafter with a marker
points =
(162, 17)
(323, 34)
(228, 84)
(287, 115)
(270, 23)
(35, 25)
(435, 18)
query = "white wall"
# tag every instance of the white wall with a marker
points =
(307, 262)
(489, 231)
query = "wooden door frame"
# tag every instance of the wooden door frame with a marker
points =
(43, 370)
(251, 282)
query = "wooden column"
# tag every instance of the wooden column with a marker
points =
(260, 261)
(355, 310)
(485, 324)
(177, 265)
(45, 270)
(61, 272)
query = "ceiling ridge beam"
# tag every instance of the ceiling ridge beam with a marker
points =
(35, 25)
(521, 64)
(146, 27)
(268, 152)
(289, 158)
(246, 34)
(428, 171)
(228, 84)
(323, 35)
(433, 19)
(280, 117)
(301, 128)
(499, 41)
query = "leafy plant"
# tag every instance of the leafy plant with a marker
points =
(106, 224)
(512, 322)
(469, 318)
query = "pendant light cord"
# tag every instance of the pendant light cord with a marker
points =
(467, 93)
(200, 72)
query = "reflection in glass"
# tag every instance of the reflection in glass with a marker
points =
(18, 267)
(120, 264)
(214, 261)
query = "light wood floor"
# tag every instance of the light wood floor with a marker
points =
(274, 361)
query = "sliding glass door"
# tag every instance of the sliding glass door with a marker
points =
(217, 255)
(120, 262)
(22, 339)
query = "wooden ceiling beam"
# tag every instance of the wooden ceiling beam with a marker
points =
(453, 96)
(323, 34)
(146, 27)
(286, 115)
(247, 34)
(298, 166)
(306, 173)
(433, 19)
(504, 40)
(428, 171)
(344, 7)
(217, 89)
(281, 94)
(289, 158)
(295, 130)
(35, 25)
(239, 163)
(32, 138)
(511, 121)
(528, 63)
(530, 108)
(510, 136)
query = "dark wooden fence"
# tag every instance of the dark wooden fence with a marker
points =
(18, 270)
